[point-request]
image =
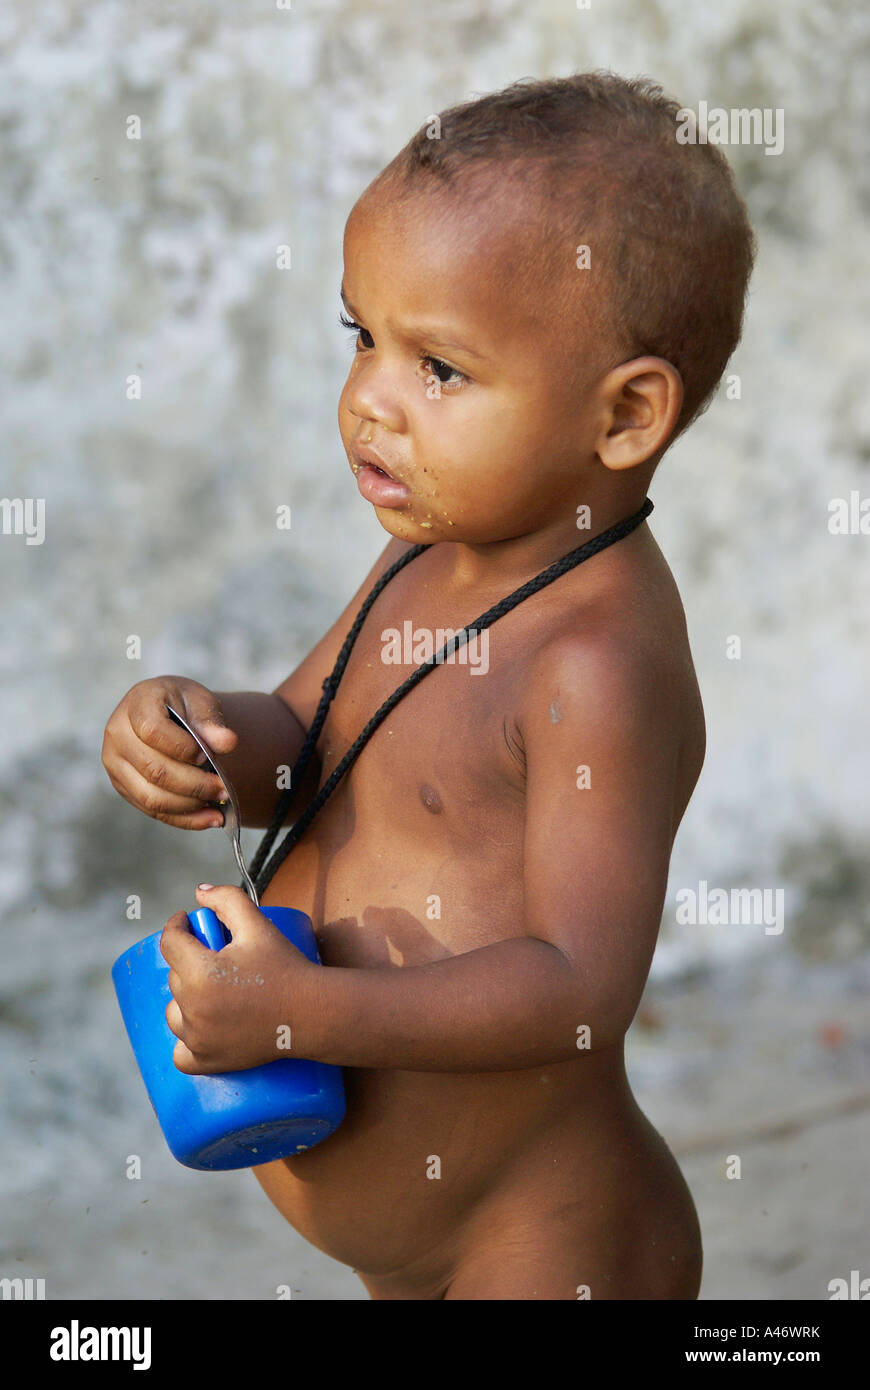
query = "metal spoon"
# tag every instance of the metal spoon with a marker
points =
(230, 808)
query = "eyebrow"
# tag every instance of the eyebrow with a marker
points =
(430, 334)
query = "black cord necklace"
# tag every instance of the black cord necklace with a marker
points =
(261, 872)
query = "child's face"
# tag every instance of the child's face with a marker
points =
(463, 382)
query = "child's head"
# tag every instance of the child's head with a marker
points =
(560, 374)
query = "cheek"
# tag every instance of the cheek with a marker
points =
(485, 444)
(464, 449)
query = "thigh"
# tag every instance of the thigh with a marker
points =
(506, 1274)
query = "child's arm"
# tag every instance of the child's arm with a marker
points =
(595, 874)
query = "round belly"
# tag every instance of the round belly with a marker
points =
(390, 1184)
(392, 1188)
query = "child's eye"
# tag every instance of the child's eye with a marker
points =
(442, 371)
(363, 332)
(449, 372)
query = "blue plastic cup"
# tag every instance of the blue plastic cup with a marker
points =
(234, 1119)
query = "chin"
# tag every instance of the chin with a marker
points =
(404, 528)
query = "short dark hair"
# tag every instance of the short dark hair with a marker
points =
(664, 218)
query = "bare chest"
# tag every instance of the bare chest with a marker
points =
(417, 854)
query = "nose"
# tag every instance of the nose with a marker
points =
(370, 394)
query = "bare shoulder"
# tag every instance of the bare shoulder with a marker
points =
(615, 669)
(593, 673)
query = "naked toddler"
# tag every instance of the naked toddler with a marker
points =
(541, 299)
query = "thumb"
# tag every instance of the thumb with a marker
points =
(218, 736)
(234, 908)
(203, 711)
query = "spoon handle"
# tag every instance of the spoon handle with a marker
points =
(232, 822)
(240, 860)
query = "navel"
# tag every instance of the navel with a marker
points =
(430, 799)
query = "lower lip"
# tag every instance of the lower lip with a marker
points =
(380, 490)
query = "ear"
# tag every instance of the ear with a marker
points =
(642, 402)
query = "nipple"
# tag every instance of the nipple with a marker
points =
(430, 799)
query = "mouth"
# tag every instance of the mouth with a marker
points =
(365, 457)
(376, 483)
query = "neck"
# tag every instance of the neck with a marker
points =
(510, 562)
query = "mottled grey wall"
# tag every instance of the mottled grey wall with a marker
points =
(156, 256)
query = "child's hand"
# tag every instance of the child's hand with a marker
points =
(231, 1009)
(151, 761)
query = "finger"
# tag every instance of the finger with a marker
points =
(192, 1064)
(179, 947)
(146, 709)
(203, 711)
(174, 1018)
(162, 805)
(133, 771)
(235, 909)
(165, 755)
(185, 1061)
